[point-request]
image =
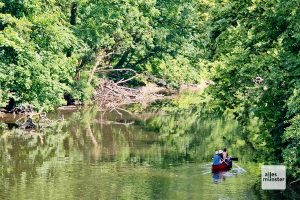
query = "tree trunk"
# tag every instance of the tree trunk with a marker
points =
(99, 60)
(73, 13)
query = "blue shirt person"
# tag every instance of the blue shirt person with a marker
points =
(217, 159)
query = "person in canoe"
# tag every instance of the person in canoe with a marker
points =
(225, 154)
(219, 164)
(217, 160)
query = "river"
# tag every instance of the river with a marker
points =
(164, 156)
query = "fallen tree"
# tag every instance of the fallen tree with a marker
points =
(112, 95)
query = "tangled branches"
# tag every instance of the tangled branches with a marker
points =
(112, 95)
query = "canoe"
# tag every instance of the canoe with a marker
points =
(222, 167)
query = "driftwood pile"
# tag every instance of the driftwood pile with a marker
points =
(112, 95)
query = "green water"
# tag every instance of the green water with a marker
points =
(163, 157)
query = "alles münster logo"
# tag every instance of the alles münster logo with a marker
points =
(273, 177)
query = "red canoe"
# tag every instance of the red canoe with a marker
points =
(222, 167)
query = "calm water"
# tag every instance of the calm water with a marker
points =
(163, 157)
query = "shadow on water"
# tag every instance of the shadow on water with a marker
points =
(158, 158)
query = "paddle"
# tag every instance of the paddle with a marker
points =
(224, 162)
(233, 159)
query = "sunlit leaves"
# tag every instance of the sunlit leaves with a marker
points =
(35, 64)
(292, 152)
(258, 41)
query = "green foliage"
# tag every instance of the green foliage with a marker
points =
(147, 36)
(178, 71)
(254, 54)
(48, 48)
(291, 154)
(293, 103)
(34, 67)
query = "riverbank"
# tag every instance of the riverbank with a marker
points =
(108, 97)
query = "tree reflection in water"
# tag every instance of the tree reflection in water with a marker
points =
(151, 159)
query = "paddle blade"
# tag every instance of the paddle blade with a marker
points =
(234, 159)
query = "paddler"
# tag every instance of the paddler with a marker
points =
(217, 160)
(224, 154)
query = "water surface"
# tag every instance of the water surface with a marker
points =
(162, 157)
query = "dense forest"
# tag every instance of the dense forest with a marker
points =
(55, 50)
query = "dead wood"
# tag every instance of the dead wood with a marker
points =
(33, 120)
(112, 96)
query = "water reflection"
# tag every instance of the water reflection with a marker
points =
(158, 158)
(218, 177)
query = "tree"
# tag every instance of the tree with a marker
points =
(34, 67)
(254, 50)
